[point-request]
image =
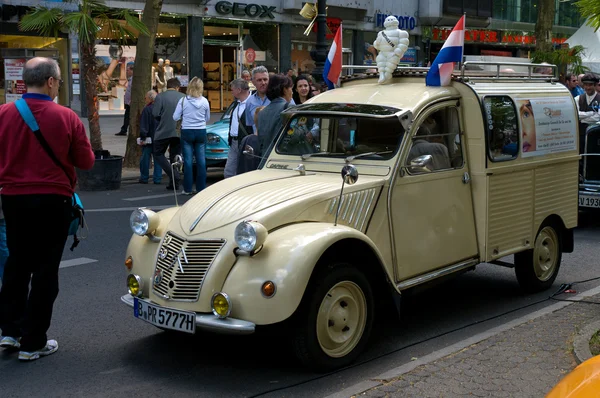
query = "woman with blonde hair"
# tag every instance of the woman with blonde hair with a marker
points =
(194, 112)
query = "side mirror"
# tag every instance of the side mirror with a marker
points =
(349, 174)
(421, 164)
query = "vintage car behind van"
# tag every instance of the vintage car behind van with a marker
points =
(589, 186)
(435, 180)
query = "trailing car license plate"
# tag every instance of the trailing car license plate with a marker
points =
(166, 318)
(589, 201)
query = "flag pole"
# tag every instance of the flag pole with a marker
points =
(319, 54)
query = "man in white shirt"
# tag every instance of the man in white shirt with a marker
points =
(587, 105)
(238, 127)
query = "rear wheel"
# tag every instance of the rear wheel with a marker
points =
(536, 269)
(335, 320)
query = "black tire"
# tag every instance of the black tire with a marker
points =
(536, 269)
(345, 296)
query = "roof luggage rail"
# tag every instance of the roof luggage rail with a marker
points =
(465, 73)
(509, 74)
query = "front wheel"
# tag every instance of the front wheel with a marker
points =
(536, 269)
(335, 320)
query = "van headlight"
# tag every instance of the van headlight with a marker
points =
(143, 221)
(250, 235)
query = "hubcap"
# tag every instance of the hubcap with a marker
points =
(341, 319)
(545, 255)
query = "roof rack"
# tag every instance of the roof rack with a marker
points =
(465, 74)
(507, 73)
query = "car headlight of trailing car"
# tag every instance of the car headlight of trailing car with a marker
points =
(144, 222)
(212, 138)
(250, 236)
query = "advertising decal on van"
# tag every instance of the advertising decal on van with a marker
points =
(547, 125)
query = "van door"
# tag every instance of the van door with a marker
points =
(431, 207)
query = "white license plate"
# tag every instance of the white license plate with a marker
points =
(589, 201)
(166, 318)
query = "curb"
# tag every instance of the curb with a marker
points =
(581, 342)
(394, 373)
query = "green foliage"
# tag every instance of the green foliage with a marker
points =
(93, 16)
(590, 9)
(564, 58)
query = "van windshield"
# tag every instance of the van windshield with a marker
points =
(319, 135)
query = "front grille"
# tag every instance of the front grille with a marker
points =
(592, 163)
(180, 280)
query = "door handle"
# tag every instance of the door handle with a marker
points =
(466, 178)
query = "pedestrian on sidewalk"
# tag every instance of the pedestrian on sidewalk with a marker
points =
(37, 192)
(194, 112)
(127, 101)
(166, 134)
(237, 125)
(3, 248)
(147, 129)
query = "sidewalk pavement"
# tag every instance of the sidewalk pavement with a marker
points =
(115, 144)
(523, 358)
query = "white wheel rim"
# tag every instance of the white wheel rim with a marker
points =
(545, 254)
(341, 319)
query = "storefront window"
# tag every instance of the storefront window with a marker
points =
(17, 48)
(264, 40)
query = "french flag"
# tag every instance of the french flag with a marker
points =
(452, 51)
(333, 65)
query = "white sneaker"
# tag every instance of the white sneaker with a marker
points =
(50, 348)
(9, 342)
(186, 193)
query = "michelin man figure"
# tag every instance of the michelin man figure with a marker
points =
(391, 43)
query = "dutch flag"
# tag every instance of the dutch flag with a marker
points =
(333, 65)
(452, 51)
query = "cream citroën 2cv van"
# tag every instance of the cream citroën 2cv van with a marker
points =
(435, 180)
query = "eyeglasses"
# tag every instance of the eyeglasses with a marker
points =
(60, 81)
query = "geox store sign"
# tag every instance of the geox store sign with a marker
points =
(245, 10)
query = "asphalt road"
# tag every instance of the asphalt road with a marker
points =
(106, 352)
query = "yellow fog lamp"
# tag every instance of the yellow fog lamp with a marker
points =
(221, 305)
(144, 222)
(134, 284)
(250, 236)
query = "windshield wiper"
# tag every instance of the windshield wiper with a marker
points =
(360, 155)
(309, 155)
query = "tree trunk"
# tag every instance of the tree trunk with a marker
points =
(141, 82)
(88, 60)
(543, 27)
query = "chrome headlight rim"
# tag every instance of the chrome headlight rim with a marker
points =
(143, 221)
(229, 305)
(250, 236)
(139, 282)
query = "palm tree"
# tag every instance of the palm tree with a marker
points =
(142, 67)
(590, 9)
(545, 22)
(91, 19)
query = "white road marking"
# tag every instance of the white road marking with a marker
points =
(162, 195)
(76, 261)
(111, 209)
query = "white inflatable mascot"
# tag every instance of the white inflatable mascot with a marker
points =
(391, 43)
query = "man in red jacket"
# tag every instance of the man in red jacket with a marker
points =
(36, 199)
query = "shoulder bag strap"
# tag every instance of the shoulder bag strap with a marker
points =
(29, 119)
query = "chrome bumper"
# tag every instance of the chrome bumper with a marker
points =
(211, 323)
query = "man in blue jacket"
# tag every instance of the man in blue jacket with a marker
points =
(147, 128)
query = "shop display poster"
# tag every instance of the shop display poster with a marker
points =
(13, 74)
